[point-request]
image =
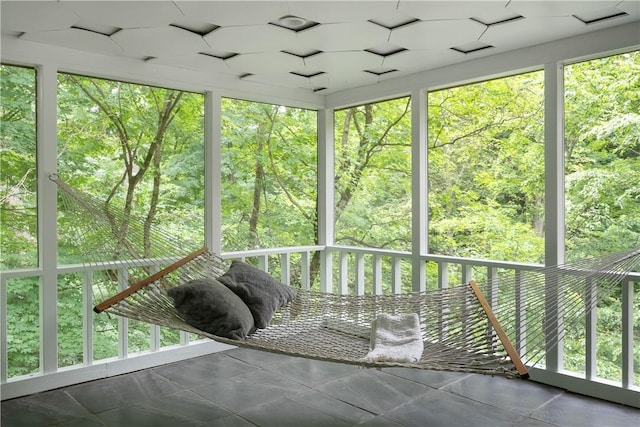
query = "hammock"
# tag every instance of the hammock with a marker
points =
(499, 327)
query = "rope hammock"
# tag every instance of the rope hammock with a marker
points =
(499, 327)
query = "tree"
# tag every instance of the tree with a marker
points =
(486, 169)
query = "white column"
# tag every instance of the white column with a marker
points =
(46, 154)
(212, 171)
(419, 196)
(326, 176)
(554, 199)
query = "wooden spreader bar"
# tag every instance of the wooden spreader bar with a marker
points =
(144, 282)
(513, 354)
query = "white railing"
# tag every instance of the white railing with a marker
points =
(351, 270)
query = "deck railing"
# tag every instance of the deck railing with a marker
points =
(347, 270)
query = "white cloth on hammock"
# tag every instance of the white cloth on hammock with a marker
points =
(395, 339)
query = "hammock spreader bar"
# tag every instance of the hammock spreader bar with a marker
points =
(141, 284)
(511, 351)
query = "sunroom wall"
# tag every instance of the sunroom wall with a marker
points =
(49, 61)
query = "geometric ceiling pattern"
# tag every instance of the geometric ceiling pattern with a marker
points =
(320, 46)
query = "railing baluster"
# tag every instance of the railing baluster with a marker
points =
(263, 263)
(377, 274)
(123, 322)
(396, 275)
(627, 334)
(305, 270)
(87, 318)
(443, 282)
(590, 343)
(344, 273)
(359, 273)
(521, 316)
(285, 268)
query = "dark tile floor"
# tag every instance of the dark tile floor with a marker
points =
(243, 387)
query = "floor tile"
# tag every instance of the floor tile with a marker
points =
(503, 393)
(379, 421)
(312, 373)
(571, 410)
(249, 390)
(258, 358)
(289, 413)
(332, 406)
(438, 408)
(203, 370)
(140, 416)
(373, 390)
(435, 379)
(231, 421)
(189, 405)
(109, 393)
(41, 409)
(532, 422)
(90, 421)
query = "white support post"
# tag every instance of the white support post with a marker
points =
(326, 176)
(305, 270)
(87, 318)
(443, 275)
(419, 196)
(212, 173)
(344, 273)
(554, 202)
(377, 274)
(285, 268)
(46, 154)
(396, 275)
(359, 273)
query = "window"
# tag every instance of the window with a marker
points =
(269, 175)
(602, 155)
(602, 192)
(18, 209)
(18, 165)
(486, 169)
(373, 175)
(140, 149)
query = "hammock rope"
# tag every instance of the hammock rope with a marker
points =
(496, 327)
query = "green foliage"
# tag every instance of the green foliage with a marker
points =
(602, 155)
(269, 175)
(18, 224)
(486, 169)
(142, 149)
(23, 326)
(373, 175)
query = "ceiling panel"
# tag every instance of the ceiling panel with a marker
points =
(76, 39)
(342, 62)
(344, 36)
(234, 13)
(159, 41)
(126, 14)
(266, 62)
(330, 45)
(437, 34)
(195, 62)
(36, 16)
(253, 39)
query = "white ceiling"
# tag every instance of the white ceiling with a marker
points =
(354, 43)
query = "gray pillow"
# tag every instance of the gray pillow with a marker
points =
(260, 292)
(211, 307)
